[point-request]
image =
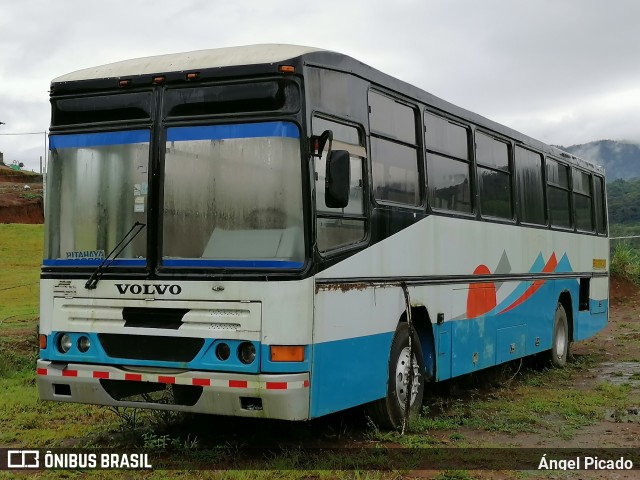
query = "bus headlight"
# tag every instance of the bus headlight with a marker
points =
(64, 343)
(84, 344)
(223, 351)
(246, 352)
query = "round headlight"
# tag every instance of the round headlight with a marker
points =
(64, 343)
(223, 351)
(84, 344)
(246, 352)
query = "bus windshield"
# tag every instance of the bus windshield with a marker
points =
(233, 196)
(97, 188)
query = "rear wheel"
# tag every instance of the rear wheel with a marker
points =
(560, 342)
(388, 412)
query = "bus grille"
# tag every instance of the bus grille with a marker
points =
(149, 347)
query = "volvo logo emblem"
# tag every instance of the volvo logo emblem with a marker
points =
(137, 289)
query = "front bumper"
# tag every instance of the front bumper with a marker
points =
(280, 396)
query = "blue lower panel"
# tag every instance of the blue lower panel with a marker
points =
(205, 359)
(589, 323)
(349, 372)
(527, 329)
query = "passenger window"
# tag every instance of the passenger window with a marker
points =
(559, 199)
(530, 186)
(394, 152)
(448, 164)
(582, 200)
(494, 176)
(601, 211)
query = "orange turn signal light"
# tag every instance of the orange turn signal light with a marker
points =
(287, 353)
(42, 341)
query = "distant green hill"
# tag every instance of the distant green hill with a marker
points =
(624, 201)
(620, 159)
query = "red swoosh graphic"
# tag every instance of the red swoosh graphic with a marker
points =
(533, 288)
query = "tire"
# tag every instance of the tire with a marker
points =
(388, 412)
(560, 343)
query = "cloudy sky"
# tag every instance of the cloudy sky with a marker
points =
(563, 71)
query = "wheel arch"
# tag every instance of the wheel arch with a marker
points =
(566, 301)
(424, 329)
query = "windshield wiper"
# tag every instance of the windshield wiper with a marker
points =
(95, 276)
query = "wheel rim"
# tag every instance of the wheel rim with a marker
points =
(561, 339)
(402, 377)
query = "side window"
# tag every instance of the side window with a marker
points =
(339, 227)
(448, 164)
(582, 200)
(494, 176)
(558, 189)
(530, 186)
(394, 150)
(601, 211)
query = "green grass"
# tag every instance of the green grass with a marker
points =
(625, 262)
(20, 259)
(538, 401)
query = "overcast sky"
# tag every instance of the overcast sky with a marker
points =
(562, 71)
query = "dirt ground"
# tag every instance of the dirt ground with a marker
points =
(20, 197)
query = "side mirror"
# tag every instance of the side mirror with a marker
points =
(318, 143)
(338, 179)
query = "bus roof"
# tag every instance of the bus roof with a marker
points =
(269, 54)
(199, 59)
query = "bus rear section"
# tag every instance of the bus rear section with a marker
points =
(154, 345)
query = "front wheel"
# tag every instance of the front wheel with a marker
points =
(560, 341)
(388, 412)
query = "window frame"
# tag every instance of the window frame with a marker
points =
(364, 217)
(417, 147)
(590, 196)
(568, 189)
(472, 213)
(543, 176)
(509, 172)
(602, 197)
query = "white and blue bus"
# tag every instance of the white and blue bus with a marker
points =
(284, 232)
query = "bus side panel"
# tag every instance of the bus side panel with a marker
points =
(596, 318)
(353, 330)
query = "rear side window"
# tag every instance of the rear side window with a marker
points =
(530, 181)
(601, 210)
(582, 203)
(559, 196)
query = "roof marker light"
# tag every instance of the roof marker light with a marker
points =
(192, 76)
(159, 80)
(287, 69)
(124, 83)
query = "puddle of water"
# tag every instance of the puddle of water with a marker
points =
(619, 373)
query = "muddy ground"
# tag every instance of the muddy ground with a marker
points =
(20, 197)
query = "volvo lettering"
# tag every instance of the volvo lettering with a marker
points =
(148, 289)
